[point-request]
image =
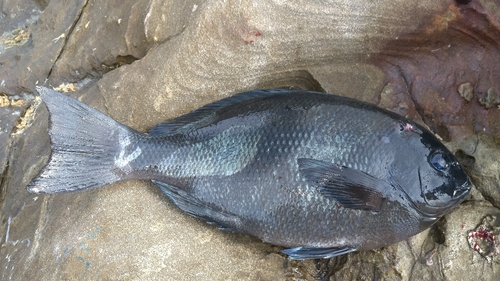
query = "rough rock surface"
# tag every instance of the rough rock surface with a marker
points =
(143, 62)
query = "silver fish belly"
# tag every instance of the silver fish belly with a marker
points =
(319, 174)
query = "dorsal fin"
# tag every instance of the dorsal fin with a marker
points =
(208, 113)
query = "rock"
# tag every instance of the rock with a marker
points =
(466, 91)
(99, 24)
(458, 260)
(29, 64)
(143, 62)
(484, 238)
(490, 99)
(425, 69)
(16, 115)
(484, 167)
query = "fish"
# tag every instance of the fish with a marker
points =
(318, 174)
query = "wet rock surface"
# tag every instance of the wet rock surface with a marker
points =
(143, 62)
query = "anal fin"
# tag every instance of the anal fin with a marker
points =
(306, 252)
(213, 215)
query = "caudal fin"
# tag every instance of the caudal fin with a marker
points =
(85, 145)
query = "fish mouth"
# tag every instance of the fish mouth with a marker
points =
(454, 189)
(463, 190)
(424, 208)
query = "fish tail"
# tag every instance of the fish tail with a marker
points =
(85, 145)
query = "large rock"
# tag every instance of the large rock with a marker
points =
(143, 62)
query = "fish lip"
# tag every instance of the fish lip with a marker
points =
(463, 190)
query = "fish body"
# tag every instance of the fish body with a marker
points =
(319, 174)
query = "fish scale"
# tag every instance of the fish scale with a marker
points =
(319, 174)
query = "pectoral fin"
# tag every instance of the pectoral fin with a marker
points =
(350, 187)
(304, 253)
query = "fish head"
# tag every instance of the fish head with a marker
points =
(427, 173)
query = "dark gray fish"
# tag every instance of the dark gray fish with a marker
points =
(319, 174)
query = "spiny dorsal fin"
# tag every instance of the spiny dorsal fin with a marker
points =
(208, 114)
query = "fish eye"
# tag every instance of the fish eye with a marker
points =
(438, 161)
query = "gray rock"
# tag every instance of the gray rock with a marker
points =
(483, 166)
(143, 62)
(457, 260)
